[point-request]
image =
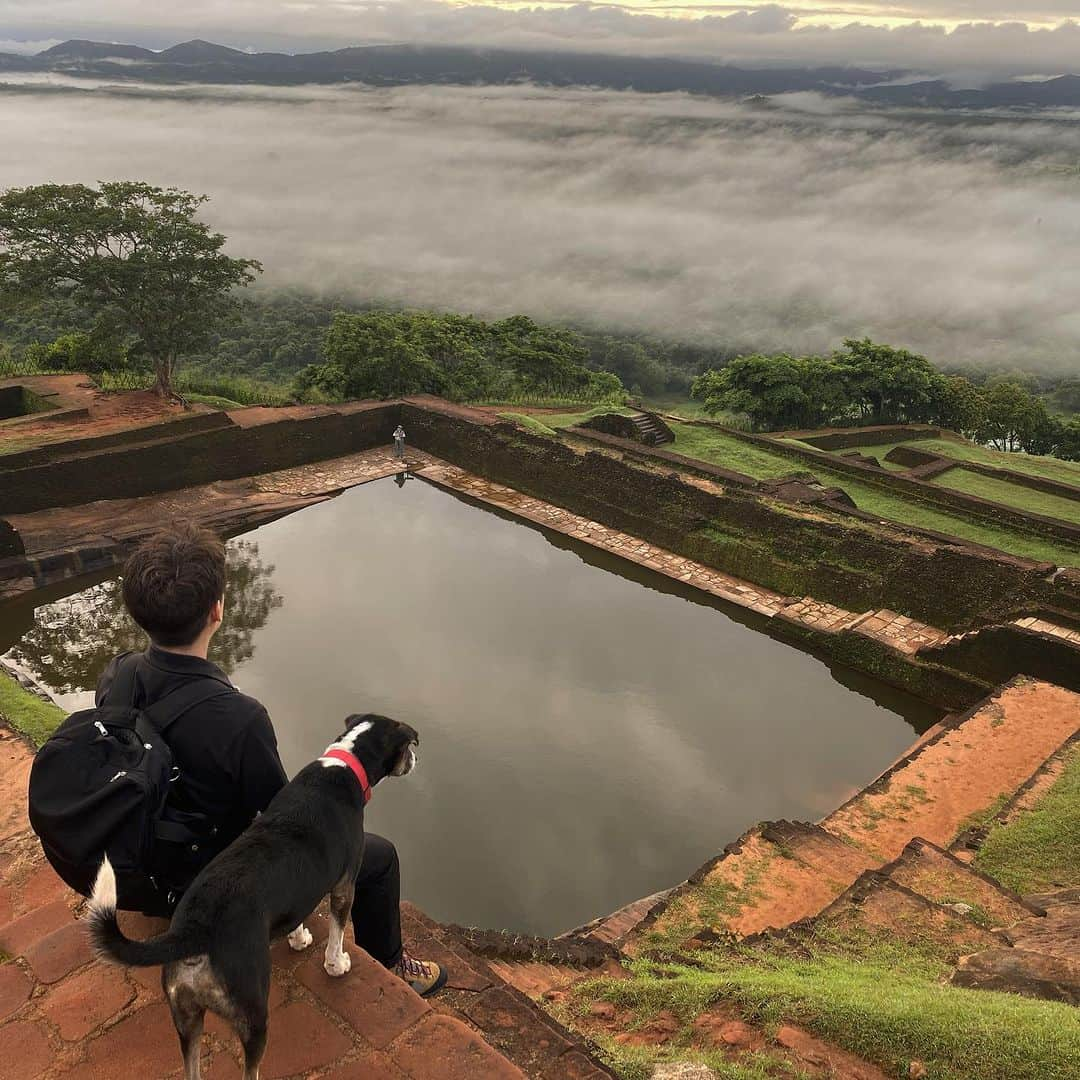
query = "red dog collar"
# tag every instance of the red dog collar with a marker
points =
(357, 767)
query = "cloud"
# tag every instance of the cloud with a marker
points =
(696, 219)
(992, 38)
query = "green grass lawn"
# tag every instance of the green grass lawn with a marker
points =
(569, 419)
(27, 712)
(710, 444)
(890, 506)
(213, 401)
(1001, 491)
(677, 406)
(719, 448)
(1040, 850)
(886, 1001)
(1067, 472)
(529, 423)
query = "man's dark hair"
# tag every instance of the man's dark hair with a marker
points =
(172, 580)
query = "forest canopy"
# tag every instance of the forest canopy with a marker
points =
(867, 383)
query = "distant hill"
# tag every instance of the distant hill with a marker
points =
(201, 61)
(198, 52)
(95, 50)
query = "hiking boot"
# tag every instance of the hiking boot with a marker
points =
(424, 976)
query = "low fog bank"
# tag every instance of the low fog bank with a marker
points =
(785, 227)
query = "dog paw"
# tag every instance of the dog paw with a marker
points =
(300, 938)
(337, 965)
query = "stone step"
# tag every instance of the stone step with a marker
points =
(1017, 971)
(942, 878)
(778, 873)
(880, 907)
(486, 996)
(653, 431)
(613, 928)
(1057, 933)
(538, 980)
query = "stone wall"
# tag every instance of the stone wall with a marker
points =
(1036, 483)
(844, 438)
(997, 654)
(185, 425)
(951, 585)
(18, 401)
(198, 458)
(910, 457)
(613, 424)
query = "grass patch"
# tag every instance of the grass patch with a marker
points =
(27, 712)
(884, 1001)
(709, 444)
(570, 419)
(1067, 472)
(890, 506)
(1001, 491)
(1040, 850)
(213, 401)
(719, 448)
(236, 390)
(529, 423)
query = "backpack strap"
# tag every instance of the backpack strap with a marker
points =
(124, 686)
(164, 712)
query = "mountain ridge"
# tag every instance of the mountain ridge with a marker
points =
(201, 61)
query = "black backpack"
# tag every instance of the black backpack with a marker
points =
(101, 783)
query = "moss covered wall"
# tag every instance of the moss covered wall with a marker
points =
(839, 560)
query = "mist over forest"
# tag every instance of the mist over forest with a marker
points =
(786, 225)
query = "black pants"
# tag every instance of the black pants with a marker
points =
(376, 915)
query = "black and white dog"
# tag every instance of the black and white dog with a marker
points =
(307, 844)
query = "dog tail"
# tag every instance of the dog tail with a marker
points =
(109, 940)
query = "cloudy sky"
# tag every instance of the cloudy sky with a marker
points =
(691, 218)
(964, 39)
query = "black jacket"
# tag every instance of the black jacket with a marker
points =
(225, 748)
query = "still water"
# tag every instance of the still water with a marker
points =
(590, 732)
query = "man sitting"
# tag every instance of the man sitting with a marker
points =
(225, 747)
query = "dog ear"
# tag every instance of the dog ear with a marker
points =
(403, 755)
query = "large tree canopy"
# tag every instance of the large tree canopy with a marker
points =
(386, 353)
(132, 255)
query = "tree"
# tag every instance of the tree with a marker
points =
(378, 355)
(775, 391)
(889, 385)
(1068, 446)
(1014, 418)
(132, 255)
(960, 406)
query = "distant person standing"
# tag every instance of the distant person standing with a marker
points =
(399, 442)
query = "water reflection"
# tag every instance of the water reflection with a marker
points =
(72, 639)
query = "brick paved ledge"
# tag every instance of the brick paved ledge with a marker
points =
(64, 1014)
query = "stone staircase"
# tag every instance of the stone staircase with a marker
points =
(496, 998)
(997, 939)
(652, 431)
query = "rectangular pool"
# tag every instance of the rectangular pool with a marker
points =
(590, 731)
